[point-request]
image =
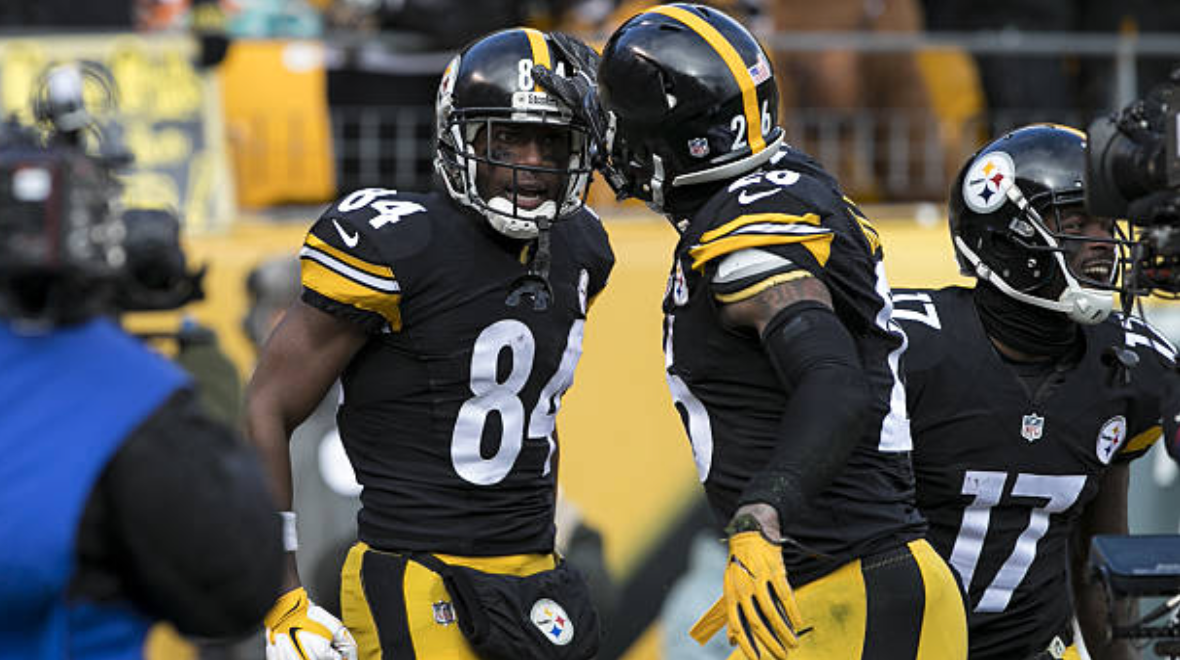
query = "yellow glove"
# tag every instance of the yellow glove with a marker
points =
(298, 629)
(758, 605)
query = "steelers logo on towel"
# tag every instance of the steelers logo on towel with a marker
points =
(551, 619)
(985, 188)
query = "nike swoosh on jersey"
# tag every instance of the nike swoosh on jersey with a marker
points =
(745, 196)
(350, 241)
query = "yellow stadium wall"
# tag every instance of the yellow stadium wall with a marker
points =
(626, 462)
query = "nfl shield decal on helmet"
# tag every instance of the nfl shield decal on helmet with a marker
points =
(698, 147)
(1110, 437)
(1032, 427)
(551, 619)
(985, 188)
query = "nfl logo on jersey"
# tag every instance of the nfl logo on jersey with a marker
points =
(444, 613)
(1032, 427)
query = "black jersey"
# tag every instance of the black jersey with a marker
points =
(447, 413)
(730, 397)
(1002, 474)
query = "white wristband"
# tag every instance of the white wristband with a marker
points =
(290, 538)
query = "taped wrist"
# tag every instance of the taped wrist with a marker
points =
(290, 537)
(828, 400)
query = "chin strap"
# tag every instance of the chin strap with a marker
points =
(1081, 305)
(534, 285)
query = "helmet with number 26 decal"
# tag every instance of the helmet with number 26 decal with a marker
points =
(692, 99)
(488, 99)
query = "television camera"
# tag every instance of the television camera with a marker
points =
(1133, 172)
(1136, 567)
(70, 250)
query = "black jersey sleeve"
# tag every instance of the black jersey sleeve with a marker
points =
(790, 227)
(1156, 367)
(800, 220)
(601, 257)
(181, 523)
(345, 261)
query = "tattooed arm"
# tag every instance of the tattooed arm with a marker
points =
(757, 311)
(818, 363)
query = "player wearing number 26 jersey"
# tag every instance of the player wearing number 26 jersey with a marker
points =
(1028, 398)
(453, 320)
(781, 354)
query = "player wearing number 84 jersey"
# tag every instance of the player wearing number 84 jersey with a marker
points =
(454, 322)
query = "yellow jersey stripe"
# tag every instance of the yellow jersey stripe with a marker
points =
(737, 68)
(540, 50)
(755, 218)
(318, 243)
(819, 245)
(870, 233)
(331, 284)
(1070, 129)
(755, 289)
(1143, 441)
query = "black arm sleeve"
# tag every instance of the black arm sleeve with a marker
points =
(181, 523)
(816, 358)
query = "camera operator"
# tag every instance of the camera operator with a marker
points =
(124, 503)
(157, 278)
(1133, 172)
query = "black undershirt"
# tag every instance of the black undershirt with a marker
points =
(180, 523)
(1041, 378)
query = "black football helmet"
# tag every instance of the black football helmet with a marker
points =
(491, 81)
(999, 206)
(691, 99)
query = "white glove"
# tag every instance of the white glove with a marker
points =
(298, 629)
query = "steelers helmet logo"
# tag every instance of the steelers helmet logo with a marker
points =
(985, 188)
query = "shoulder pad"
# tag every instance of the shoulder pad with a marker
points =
(346, 256)
(763, 209)
(918, 313)
(1144, 338)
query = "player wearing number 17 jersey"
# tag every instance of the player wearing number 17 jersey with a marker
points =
(454, 322)
(1027, 401)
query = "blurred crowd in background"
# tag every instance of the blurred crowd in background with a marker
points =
(890, 94)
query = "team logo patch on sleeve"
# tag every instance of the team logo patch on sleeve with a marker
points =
(985, 188)
(677, 286)
(551, 619)
(1111, 436)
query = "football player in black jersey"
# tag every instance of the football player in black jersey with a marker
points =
(454, 321)
(1028, 397)
(781, 354)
